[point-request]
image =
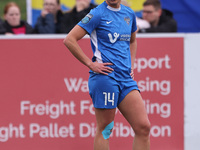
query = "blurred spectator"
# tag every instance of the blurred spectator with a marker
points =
(13, 23)
(72, 17)
(2, 29)
(51, 16)
(160, 20)
(1, 21)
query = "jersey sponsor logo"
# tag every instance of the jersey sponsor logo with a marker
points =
(127, 19)
(116, 35)
(87, 18)
(125, 37)
(108, 22)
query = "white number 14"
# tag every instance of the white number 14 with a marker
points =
(108, 99)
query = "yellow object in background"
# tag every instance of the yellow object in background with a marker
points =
(38, 4)
(68, 3)
(136, 5)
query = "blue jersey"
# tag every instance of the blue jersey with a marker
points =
(110, 32)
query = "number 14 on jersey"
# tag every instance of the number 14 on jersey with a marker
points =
(108, 98)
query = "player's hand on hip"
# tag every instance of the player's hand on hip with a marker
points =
(101, 68)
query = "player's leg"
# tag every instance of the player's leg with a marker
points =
(133, 109)
(104, 92)
(104, 118)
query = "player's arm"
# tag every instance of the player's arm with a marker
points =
(71, 42)
(133, 50)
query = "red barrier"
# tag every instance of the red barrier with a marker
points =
(45, 102)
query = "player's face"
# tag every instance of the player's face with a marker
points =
(51, 6)
(151, 14)
(114, 3)
(13, 16)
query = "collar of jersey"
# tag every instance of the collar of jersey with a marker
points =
(113, 9)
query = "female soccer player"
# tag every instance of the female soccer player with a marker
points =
(112, 29)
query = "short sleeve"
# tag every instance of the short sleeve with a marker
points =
(134, 25)
(90, 21)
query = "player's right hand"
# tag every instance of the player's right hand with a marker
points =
(101, 68)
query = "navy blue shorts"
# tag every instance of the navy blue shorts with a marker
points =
(106, 92)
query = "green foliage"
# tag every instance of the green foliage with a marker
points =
(21, 3)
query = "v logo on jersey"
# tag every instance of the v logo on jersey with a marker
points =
(116, 35)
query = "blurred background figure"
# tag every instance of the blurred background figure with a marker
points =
(160, 20)
(72, 17)
(1, 21)
(50, 18)
(13, 23)
(2, 29)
